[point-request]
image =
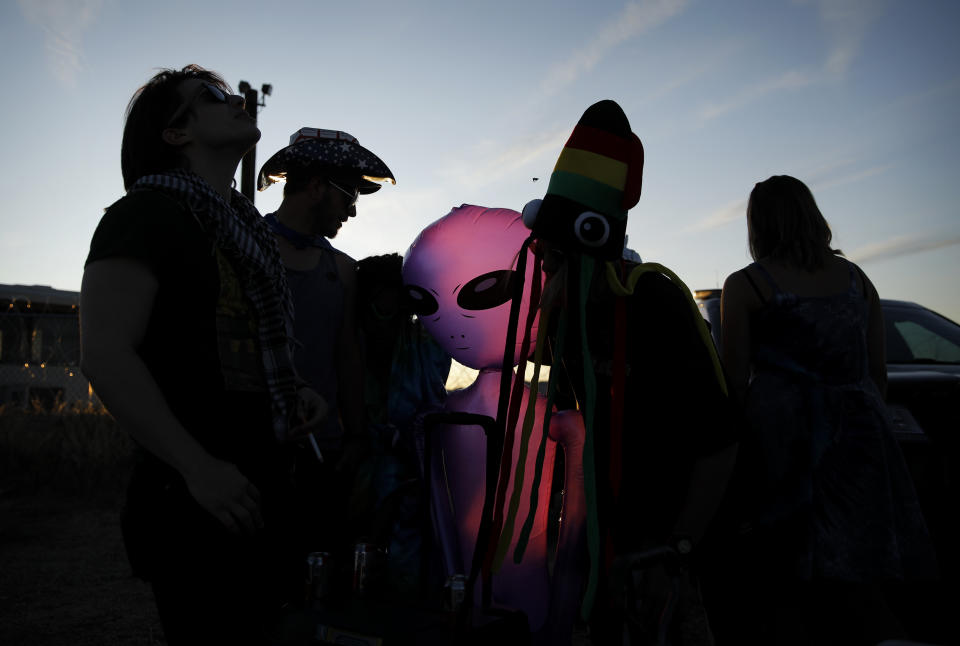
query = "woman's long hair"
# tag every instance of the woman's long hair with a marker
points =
(784, 223)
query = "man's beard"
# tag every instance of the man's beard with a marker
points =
(326, 226)
(334, 230)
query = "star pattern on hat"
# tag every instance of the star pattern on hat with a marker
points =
(343, 155)
(338, 153)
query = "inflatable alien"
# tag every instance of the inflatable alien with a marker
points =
(460, 273)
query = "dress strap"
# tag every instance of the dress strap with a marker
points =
(755, 288)
(767, 276)
(854, 270)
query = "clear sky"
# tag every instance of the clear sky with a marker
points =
(468, 101)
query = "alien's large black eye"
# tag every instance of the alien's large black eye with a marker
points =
(420, 301)
(487, 290)
(592, 229)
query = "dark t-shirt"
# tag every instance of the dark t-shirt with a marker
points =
(201, 347)
(674, 409)
(200, 344)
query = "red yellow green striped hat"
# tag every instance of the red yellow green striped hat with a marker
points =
(597, 179)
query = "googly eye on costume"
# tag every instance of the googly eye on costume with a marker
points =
(530, 212)
(592, 229)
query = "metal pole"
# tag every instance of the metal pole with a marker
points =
(249, 165)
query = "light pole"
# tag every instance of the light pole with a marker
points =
(249, 165)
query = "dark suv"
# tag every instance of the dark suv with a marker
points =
(923, 366)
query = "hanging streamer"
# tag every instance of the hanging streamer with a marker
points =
(589, 471)
(507, 417)
(524, 536)
(617, 388)
(507, 533)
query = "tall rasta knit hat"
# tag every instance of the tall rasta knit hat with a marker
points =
(597, 179)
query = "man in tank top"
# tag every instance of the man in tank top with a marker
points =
(325, 171)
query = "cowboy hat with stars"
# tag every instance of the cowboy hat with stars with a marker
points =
(333, 149)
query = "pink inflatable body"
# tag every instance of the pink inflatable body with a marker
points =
(459, 271)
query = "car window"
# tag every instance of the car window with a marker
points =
(916, 335)
(710, 310)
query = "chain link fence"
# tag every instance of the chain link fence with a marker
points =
(40, 351)
(40, 357)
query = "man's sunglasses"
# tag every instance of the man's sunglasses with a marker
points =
(216, 93)
(353, 193)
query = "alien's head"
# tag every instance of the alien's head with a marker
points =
(459, 275)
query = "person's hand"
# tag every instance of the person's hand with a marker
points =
(650, 587)
(354, 451)
(227, 495)
(312, 410)
(661, 597)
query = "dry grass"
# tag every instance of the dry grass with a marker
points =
(64, 577)
(71, 451)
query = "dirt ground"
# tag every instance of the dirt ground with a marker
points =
(64, 577)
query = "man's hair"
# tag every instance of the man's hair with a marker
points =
(143, 151)
(784, 222)
(376, 273)
(300, 176)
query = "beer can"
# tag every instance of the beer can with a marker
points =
(363, 556)
(319, 576)
(454, 591)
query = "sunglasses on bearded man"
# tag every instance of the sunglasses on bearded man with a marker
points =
(353, 193)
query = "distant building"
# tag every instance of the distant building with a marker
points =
(40, 347)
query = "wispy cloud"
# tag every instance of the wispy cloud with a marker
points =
(839, 169)
(830, 175)
(828, 165)
(790, 80)
(683, 77)
(63, 23)
(727, 213)
(903, 245)
(942, 93)
(635, 19)
(830, 182)
(846, 23)
(489, 162)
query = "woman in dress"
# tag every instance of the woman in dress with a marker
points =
(829, 509)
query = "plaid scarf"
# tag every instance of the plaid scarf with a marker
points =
(242, 236)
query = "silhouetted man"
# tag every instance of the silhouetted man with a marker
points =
(325, 172)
